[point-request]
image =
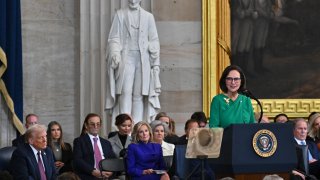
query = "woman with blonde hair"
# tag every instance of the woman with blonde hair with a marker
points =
(144, 158)
(313, 138)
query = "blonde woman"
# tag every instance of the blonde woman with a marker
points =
(144, 158)
(313, 138)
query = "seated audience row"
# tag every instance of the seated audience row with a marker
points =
(44, 154)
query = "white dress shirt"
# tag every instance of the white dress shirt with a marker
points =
(167, 148)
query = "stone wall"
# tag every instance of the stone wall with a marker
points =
(50, 31)
(50, 39)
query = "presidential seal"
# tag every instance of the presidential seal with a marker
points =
(264, 143)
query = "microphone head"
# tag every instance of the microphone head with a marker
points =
(247, 93)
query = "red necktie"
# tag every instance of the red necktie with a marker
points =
(41, 167)
(97, 153)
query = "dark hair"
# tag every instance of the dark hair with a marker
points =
(49, 136)
(121, 118)
(68, 176)
(200, 116)
(282, 114)
(225, 73)
(189, 122)
(29, 115)
(90, 115)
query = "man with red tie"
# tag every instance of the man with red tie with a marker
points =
(89, 149)
(33, 160)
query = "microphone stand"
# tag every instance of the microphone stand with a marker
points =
(250, 95)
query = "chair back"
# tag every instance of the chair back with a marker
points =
(5, 157)
(303, 159)
(112, 165)
(181, 163)
(168, 161)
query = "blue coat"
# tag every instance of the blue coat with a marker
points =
(24, 165)
(83, 155)
(142, 156)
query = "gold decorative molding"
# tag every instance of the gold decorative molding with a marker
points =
(215, 46)
(292, 107)
(216, 38)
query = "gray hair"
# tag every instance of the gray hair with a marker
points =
(36, 128)
(157, 123)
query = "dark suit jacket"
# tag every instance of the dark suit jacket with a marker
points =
(173, 139)
(24, 165)
(182, 140)
(83, 155)
(66, 159)
(314, 167)
(19, 141)
(312, 146)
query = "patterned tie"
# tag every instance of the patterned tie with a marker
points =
(41, 168)
(309, 154)
(97, 153)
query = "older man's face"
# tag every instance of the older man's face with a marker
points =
(300, 130)
(39, 140)
(94, 125)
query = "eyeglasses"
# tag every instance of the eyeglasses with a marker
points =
(94, 124)
(230, 79)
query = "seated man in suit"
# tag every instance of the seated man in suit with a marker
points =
(89, 149)
(31, 119)
(300, 135)
(33, 160)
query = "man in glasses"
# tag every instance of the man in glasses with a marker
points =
(89, 149)
(31, 119)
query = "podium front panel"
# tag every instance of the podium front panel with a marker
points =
(238, 155)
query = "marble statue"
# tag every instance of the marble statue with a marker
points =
(133, 84)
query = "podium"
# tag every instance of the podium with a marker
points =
(238, 156)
